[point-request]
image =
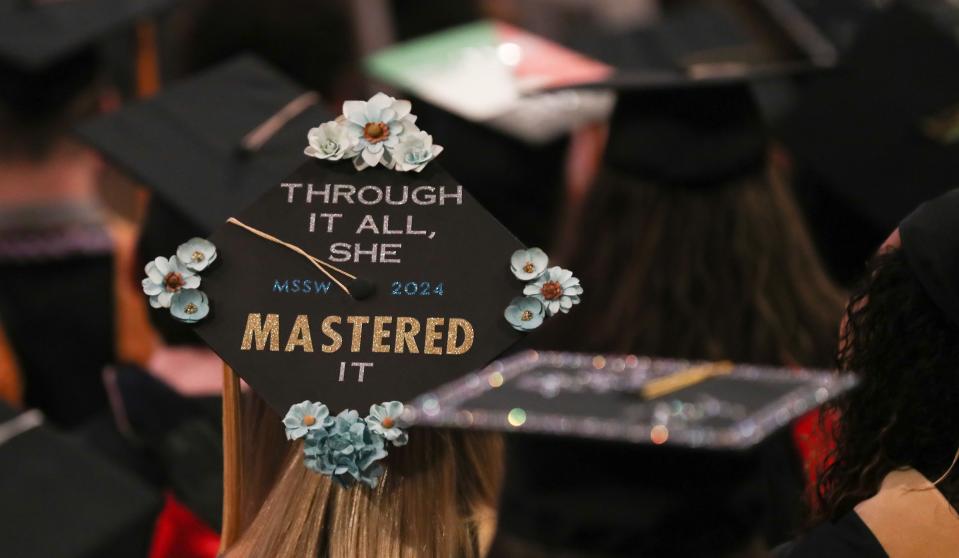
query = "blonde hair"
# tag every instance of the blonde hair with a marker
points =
(436, 498)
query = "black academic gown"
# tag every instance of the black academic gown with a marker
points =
(847, 538)
(66, 308)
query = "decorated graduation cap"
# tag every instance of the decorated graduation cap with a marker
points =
(364, 278)
(619, 455)
(930, 240)
(499, 76)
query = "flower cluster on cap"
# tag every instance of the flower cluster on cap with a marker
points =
(380, 131)
(548, 290)
(174, 282)
(346, 448)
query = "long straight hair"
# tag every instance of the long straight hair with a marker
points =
(436, 498)
(720, 272)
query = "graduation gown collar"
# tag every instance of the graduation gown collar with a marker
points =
(910, 517)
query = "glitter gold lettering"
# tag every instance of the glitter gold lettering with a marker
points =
(262, 332)
(300, 336)
(432, 336)
(451, 347)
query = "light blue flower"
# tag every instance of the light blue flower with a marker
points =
(331, 141)
(557, 289)
(529, 264)
(189, 305)
(196, 254)
(384, 420)
(375, 128)
(346, 451)
(306, 416)
(166, 277)
(414, 151)
(525, 313)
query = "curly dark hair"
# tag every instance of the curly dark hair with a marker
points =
(905, 412)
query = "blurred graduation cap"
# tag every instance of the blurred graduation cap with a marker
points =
(357, 287)
(878, 136)
(692, 89)
(50, 57)
(615, 455)
(930, 240)
(839, 20)
(210, 145)
(490, 88)
(681, 132)
(703, 39)
(118, 511)
(206, 147)
(34, 34)
(499, 76)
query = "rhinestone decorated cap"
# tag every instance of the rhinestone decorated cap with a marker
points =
(631, 400)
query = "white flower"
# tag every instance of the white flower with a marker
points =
(330, 141)
(414, 151)
(166, 277)
(384, 419)
(197, 253)
(557, 289)
(527, 265)
(376, 127)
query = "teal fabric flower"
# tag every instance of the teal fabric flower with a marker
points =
(557, 289)
(304, 417)
(347, 451)
(375, 128)
(529, 264)
(166, 277)
(525, 313)
(384, 420)
(196, 254)
(189, 305)
(414, 151)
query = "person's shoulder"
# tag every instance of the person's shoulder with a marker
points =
(848, 537)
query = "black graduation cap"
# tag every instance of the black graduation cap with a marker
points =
(930, 240)
(416, 297)
(686, 133)
(212, 144)
(37, 33)
(622, 455)
(693, 39)
(44, 473)
(687, 112)
(839, 20)
(207, 147)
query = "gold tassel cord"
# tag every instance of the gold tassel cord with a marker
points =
(684, 379)
(318, 263)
